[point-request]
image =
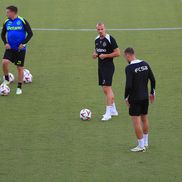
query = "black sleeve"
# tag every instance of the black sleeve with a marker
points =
(152, 81)
(113, 43)
(3, 34)
(129, 82)
(29, 32)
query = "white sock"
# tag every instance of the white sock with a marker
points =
(113, 107)
(141, 143)
(145, 136)
(108, 110)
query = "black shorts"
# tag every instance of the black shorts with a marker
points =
(105, 74)
(138, 108)
(16, 57)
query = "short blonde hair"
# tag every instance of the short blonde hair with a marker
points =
(100, 24)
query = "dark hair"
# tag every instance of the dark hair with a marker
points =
(129, 50)
(12, 8)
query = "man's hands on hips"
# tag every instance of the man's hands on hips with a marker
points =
(7, 46)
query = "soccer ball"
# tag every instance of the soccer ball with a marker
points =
(27, 76)
(11, 78)
(85, 114)
(4, 90)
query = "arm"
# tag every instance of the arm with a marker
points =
(94, 55)
(153, 84)
(29, 32)
(116, 53)
(129, 84)
(3, 35)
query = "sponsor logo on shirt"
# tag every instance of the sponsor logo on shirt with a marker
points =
(104, 44)
(18, 22)
(140, 69)
(10, 22)
(14, 28)
(101, 50)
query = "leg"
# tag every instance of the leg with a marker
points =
(137, 126)
(20, 74)
(109, 102)
(5, 65)
(20, 80)
(139, 133)
(20, 58)
(145, 122)
(109, 95)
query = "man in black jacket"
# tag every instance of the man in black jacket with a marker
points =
(138, 73)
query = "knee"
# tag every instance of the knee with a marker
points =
(108, 91)
(19, 68)
(5, 62)
(144, 118)
(105, 90)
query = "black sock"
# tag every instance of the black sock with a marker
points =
(19, 85)
(7, 77)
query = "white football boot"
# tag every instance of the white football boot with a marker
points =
(138, 149)
(106, 117)
(18, 91)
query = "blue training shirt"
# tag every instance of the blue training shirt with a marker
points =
(16, 32)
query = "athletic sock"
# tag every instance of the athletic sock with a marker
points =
(19, 85)
(108, 110)
(113, 107)
(145, 136)
(141, 143)
(7, 77)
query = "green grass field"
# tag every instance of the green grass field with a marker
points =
(41, 136)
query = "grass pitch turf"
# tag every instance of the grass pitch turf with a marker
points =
(41, 136)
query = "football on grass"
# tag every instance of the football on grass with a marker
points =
(27, 76)
(85, 114)
(4, 90)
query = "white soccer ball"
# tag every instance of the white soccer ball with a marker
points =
(27, 76)
(11, 78)
(4, 90)
(85, 114)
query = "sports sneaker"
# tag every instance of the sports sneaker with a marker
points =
(6, 82)
(115, 113)
(138, 149)
(18, 91)
(106, 117)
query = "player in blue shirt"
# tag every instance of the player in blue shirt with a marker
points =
(16, 33)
